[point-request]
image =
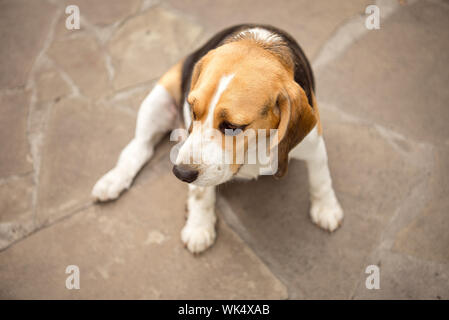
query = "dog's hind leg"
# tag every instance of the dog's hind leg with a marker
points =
(325, 209)
(157, 115)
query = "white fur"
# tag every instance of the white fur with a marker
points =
(199, 232)
(156, 116)
(325, 210)
(222, 85)
(262, 34)
(186, 114)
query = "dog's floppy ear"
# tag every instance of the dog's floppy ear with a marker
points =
(297, 119)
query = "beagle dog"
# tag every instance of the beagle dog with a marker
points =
(247, 78)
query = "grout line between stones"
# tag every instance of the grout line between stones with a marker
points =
(47, 225)
(35, 139)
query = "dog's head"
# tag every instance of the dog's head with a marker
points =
(237, 90)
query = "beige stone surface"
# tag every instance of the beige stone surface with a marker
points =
(83, 60)
(105, 12)
(426, 236)
(131, 98)
(24, 28)
(14, 156)
(77, 152)
(69, 99)
(404, 277)
(16, 214)
(15, 195)
(392, 77)
(148, 44)
(132, 249)
(310, 22)
(51, 86)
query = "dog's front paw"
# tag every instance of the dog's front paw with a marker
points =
(327, 213)
(198, 238)
(111, 185)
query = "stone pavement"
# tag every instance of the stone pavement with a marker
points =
(68, 106)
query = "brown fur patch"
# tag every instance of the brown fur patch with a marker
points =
(276, 46)
(171, 81)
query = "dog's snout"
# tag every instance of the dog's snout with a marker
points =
(185, 173)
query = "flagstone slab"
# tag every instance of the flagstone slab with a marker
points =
(24, 28)
(84, 62)
(106, 12)
(394, 76)
(131, 249)
(404, 277)
(16, 209)
(15, 157)
(426, 236)
(147, 45)
(82, 142)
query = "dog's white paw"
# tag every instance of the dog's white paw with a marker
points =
(111, 185)
(198, 238)
(327, 213)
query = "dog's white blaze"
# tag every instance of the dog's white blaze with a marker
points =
(207, 152)
(222, 85)
(186, 114)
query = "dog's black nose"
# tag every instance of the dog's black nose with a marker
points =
(185, 173)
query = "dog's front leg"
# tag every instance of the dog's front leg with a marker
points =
(199, 232)
(325, 210)
(156, 116)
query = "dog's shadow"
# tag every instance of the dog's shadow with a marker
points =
(272, 215)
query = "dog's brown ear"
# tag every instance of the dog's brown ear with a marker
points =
(297, 119)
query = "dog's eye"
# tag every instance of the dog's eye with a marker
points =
(230, 129)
